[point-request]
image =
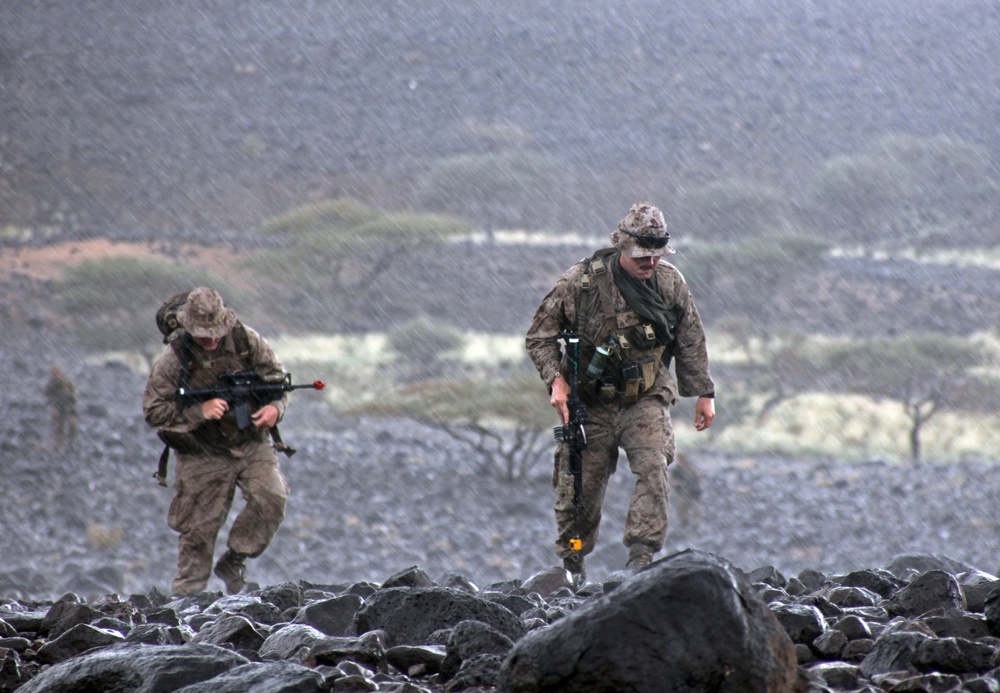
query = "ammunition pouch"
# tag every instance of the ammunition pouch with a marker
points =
(184, 443)
(628, 381)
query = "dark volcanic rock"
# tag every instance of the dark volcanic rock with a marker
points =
(137, 668)
(688, 622)
(409, 616)
(690, 615)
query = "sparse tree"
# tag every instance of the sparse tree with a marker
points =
(925, 373)
(337, 250)
(123, 318)
(504, 424)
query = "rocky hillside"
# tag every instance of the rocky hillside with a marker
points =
(195, 115)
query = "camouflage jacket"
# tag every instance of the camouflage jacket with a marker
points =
(558, 312)
(159, 403)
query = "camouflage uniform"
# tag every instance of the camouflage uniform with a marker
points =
(214, 457)
(60, 393)
(623, 411)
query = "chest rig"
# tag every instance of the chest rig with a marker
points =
(604, 320)
(200, 369)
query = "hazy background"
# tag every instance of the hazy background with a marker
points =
(387, 190)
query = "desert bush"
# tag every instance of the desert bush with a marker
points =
(944, 169)
(750, 271)
(731, 209)
(860, 199)
(422, 340)
(906, 191)
(339, 213)
(112, 301)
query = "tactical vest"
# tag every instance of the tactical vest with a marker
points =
(635, 357)
(200, 369)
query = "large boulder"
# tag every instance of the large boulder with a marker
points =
(409, 615)
(136, 669)
(689, 622)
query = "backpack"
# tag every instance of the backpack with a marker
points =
(166, 315)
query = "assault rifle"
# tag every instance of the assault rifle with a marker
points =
(242, 388)
(573, 432)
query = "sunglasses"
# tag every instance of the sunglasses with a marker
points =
(650, 242)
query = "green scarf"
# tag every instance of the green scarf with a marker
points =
(644, 298)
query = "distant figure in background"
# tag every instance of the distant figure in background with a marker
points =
(214, 455)
(60, 393)
(685, 482)
(639, 312)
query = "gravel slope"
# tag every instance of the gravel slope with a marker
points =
(373, 497)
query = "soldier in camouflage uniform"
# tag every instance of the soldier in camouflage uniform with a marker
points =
(639, 308)
(214, 456)
(60, 393)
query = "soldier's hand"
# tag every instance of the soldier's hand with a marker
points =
(560, 397)
(266, 416)
(214, 408)
(704, 413)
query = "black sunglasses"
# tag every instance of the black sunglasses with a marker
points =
(650, 242)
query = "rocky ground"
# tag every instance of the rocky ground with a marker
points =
(371, 497)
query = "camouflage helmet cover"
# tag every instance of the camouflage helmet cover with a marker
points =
(643, 232)
(205, 316)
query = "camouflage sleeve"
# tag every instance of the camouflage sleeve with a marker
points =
(556, 313)
(690, 349)
(159, 399)
(267, 365)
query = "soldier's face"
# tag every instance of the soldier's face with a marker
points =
(641, 268)
(207, 343)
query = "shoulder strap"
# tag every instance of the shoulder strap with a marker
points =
(241, 342)
(594, 282)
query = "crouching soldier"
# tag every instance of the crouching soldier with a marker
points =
(214, 455)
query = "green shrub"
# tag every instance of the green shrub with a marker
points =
(112, 301)
(858, 199)
(422, 340)
(752, 267)
(339, 213)
(336, 258)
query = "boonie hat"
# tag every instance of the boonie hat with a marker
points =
(205, 316)
(643, 232)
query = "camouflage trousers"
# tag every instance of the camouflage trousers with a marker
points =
(645, 432)
(65, 425)
(205, 487)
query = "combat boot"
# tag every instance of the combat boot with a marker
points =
(231, 569)
(574, 564)
(639, 556)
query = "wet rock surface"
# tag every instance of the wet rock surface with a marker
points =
(691, 618)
